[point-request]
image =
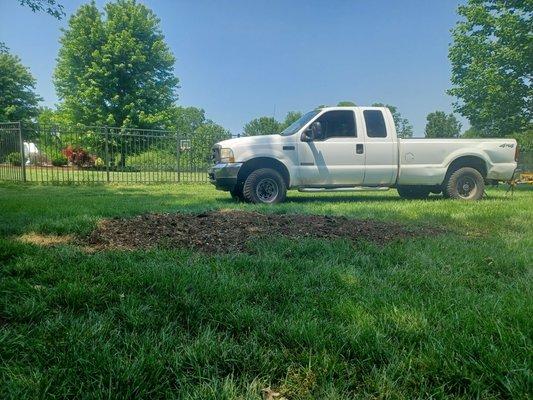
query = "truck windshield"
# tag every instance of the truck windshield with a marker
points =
(297, 125)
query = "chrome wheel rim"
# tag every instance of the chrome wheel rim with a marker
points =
(267, 190)
(466, 187)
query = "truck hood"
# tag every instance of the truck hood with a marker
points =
(248, 147)
(251, 141)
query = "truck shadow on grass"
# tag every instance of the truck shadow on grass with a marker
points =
(353, 199)
(336, 199)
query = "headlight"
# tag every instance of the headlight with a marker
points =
(226, 156)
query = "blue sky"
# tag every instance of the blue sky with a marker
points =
(243, 59)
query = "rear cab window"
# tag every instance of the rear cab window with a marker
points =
(375, 124)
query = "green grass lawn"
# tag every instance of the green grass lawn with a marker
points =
(72, 175)
(447, 316)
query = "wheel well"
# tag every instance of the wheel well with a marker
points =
(263, 162)
(468, 161)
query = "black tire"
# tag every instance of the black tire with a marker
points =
(413, 192)
(466, 183)
(236, 192)
(264, 186)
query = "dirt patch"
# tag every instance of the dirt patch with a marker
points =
(40, 239)
(229, 231)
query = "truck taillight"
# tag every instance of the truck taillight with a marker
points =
(516, 153)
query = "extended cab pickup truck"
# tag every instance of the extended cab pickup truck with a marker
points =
(348, 148)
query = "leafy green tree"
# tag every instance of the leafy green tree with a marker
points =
(48, 117)
(18, 100)
(52, 7)
(472, 133)
(262, 126)
(183, 120)
(189, 119)
(346, 104)
(190, 124)
(403, 126)
(115, 69)
(442, 125)
(525, 142)
(203, 139)
(289, 119)
(492, 65)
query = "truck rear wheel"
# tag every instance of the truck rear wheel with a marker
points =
(413, 192)
(465, 184)
(265, 186)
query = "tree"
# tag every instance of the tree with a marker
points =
(291, 117)
(49, 117)
(203, 139)
(403, 126)
(262, 126)
(492, 65)
(183, 120)
(115, 69)
(346, 104)
(52, 7)
(18, 100)
(441, 125)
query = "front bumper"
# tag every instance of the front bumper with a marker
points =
(224, 176)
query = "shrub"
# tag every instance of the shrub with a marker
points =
(78, 156)
(14, 158)
(153, 160)
(59, 160)
(525, 140)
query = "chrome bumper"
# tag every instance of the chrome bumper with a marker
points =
(224, 176)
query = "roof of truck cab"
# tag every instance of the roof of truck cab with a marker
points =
(351, 108)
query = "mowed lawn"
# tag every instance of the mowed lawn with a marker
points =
(447, 316)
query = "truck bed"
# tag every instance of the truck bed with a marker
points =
(425, 161)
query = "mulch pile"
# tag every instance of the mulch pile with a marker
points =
(229, 231)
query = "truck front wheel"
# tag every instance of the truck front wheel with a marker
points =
(465, 184)
(414, 192)
(265, 186)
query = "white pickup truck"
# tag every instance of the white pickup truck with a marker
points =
(350, 148)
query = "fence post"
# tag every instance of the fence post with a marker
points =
(178, 155)
(106, 130)
(23, 159)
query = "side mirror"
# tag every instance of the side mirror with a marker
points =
(307, 135)
(316, 130)
(312, 133)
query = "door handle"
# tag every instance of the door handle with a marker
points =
(359, 149)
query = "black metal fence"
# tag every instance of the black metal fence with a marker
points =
(85, 154)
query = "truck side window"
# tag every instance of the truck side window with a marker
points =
(338, 123)
(375, 124)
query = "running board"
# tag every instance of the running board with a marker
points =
(345, 189)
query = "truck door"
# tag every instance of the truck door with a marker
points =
(381, 152)
(337, 158)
